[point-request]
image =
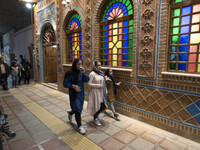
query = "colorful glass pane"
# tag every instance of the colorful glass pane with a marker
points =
(195, 38)
(175, 30)
(193, 48)
(196, 8)
(195, 28)
(177, 12)
(172, 66)
(182, 67)
(186, 10)
(177, 1)
(185, 29)
(75, 39)
(185, 20)
(191, 67)
(196, 18)
(183, 48)
(176, 21)
(192, 57)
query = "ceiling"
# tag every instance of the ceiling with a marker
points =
(13, 14)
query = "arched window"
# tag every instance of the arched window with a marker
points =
(184, 46)
(116, 40)
(74, 38)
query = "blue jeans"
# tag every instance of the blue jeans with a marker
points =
(14, 81)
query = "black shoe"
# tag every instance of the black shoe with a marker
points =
(116, 115)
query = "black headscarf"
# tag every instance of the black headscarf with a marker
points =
(75, 73)
(107, 73)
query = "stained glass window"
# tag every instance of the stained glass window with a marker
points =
(74, 38)
(117, 34)
(184, 49)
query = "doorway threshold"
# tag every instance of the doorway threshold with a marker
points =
(51, 85)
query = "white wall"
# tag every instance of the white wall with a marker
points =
(23, 39)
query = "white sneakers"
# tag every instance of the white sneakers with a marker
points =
(97, 122)
(81, 130)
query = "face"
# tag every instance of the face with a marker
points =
(98, 66)
(79, 64)
(110, 72)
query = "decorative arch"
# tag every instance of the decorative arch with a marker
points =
(112, 12)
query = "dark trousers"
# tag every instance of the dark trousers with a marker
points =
(27, 78)
(102, 108)
(77, 117)
(5, 82)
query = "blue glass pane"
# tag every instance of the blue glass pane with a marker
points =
(124, 44)
(125, 36)
(182, 67)
(80, 52)
(184, 39)
(80, 33)
(124, 57)
(173, 57)
(125, 30)
(124, 64)
(183, 48)
(71, 52)
(80, 56)
(109, 9)
(105, 45)
(106, 27)
(126, 14)
(186, 10)
(71, 47)
(182, 57)
(125, 23)
(80, 37)
(106, 19)
(185, 20)
(70, 36)
(106, 57)
(106, 39)
(106, 51)
(80, 48)
(173, 49)
(106, 63)
(185, 29)
(106, 33)
(124, 51)
(70, 39)
(80, 42)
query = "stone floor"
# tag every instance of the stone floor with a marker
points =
(126, 134)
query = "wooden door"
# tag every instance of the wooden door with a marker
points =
(50, 69)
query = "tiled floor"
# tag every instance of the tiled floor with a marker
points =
(127, 134)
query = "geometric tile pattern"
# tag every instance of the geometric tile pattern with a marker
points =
(174, 105)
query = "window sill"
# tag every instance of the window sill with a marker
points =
(66, 65)
(118, 69)
(181, 74)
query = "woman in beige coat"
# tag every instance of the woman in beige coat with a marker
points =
(97, 95)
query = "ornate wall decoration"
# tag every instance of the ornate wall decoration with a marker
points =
(87, 28)
(87, 1)
(87, 62)
(145, 53)
(148, 13)
(147, 27)
(87, 53)
(87, 10)
(87, 37)
(146, 40)
(147, 2)
(87, 45)
(87, 19)
(145, 66)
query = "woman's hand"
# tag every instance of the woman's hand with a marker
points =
(82, 69)
(76, 88)
(118, 83)
(101, 86)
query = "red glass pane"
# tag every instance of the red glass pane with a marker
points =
(191, 67)
(110, 52)
(192, 57)
(110, 32)
(193, 48)
(110, 26)
(119, 64)
(119, 51)
(196, 8)
(110, 38)
(120, 24)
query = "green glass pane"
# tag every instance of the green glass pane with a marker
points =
(129, 64)
(130, 36)
(120, 0)
(101, 56)
(129, 57)
(176, 21)
(172, 66)
(101, 45)
(124, 1)
(131, 29)
(127, 3)
(110, 3)
(175, 39)
(175, 30)
(101, 28)
(101, 33)
(129, 7)
(130, 12)
(107, 7)
(101, 39)
(130, 43)
(131, 22)
(101, 51)
(177, 12)
(130, 51)
(177, 1)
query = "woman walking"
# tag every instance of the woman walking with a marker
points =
(111, 92)
(97, 95)
(74, 80)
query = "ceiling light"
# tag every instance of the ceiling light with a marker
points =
(28, 5)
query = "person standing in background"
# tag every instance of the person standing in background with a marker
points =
(4, 73)
(27, 74)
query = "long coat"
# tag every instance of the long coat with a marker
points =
(110, 92)
(95, 94)
(77, 104)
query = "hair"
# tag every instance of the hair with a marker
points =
(107, 72)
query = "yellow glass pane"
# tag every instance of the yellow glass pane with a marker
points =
(75, 56)
(115, 25)
(115, 50)
(114, 63)
(75, 52)
(198, 67)
(78, 48)
(115, 32)
(114, 39)
(195, 38)
(199, 58)
(196, 18)
(195, 28)
(111, 44)
(199, 51)
(114, 57)
(119, 44)
(73, 48)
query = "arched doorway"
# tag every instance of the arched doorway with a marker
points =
(49, 54)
